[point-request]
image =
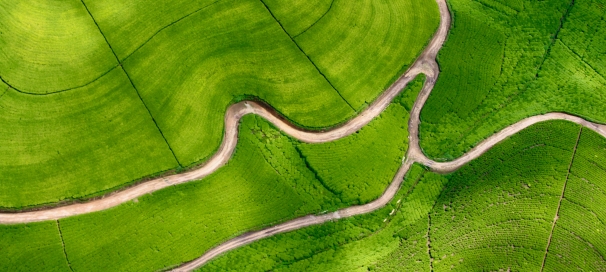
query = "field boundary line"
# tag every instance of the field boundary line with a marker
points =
(63, 245)
(308, 58)
(132, 84)
(314, 23)
(167, 26)
(557, 214)
(429, 240)
(63, 90)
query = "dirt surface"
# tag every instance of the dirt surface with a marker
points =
(425, 64)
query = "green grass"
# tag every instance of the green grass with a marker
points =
(493, 214)
(48, 46)
(502, 62)
(76, 143)
(298, 16)
(363, 46)
(32, 247)
(578, 241)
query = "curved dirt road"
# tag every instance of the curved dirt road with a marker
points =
(425, 64)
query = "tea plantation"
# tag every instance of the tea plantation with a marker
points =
(99, 95)
(495, 214)
(96, 95)
(182, 222)
(507, 60)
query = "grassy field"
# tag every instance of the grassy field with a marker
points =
(520, 59)
(180, 223)
(494, 214)
(49, 46)
(76, 143)
(392, 32)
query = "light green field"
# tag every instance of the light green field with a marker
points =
(49, 46)
(392, 32)
(239, 49)
(77, 143)
(502, 62)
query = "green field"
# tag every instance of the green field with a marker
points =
(180, 223)
(101, 125)
(494, 214)
(49, 46)
(521, 58)
(76, 143)
(368, 28)
(578, 238)
(32, 247)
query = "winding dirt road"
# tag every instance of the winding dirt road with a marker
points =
(425, 64)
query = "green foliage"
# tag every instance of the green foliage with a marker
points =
(392, 32)
(578, 241)
(189, 60)
(76, 143)
(48, 46)
(502, 62)
(31, 247)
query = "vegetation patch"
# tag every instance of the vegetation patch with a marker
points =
(508, 60)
